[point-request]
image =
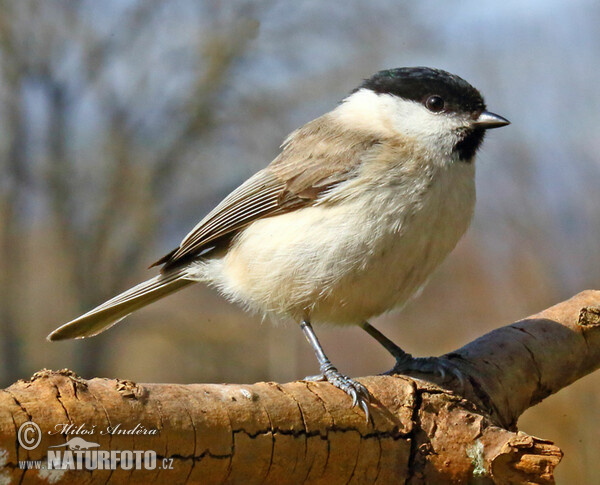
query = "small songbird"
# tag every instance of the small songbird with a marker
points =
(348, 222)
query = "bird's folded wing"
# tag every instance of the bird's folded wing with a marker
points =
(312, 161)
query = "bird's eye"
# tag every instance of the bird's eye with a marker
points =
(434, 103)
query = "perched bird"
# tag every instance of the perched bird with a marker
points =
(348, 222)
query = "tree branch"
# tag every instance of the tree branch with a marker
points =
(306, 432)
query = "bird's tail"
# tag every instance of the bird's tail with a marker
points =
(114, 310)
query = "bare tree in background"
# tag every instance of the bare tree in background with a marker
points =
(108, 217)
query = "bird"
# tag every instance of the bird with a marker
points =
(345, 224)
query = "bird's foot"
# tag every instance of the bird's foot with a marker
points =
(358, 392)
(440, 366)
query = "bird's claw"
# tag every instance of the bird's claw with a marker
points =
(359, 393)
(428, 365)
(315, 378)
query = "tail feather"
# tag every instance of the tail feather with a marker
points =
(116, 309)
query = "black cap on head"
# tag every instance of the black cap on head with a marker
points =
(420, 83)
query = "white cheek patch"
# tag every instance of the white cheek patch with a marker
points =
(414, 119)
(437, 131)
(390, 115)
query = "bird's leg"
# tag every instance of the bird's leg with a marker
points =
(358, 392)
(390, 346)
(407, 363)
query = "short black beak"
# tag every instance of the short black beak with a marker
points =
(489, 120)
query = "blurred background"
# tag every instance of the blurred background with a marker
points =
(124, 122)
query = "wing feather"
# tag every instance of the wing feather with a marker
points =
(293, 180)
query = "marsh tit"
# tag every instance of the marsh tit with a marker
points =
(348, 222)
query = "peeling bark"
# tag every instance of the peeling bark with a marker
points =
(435, 431)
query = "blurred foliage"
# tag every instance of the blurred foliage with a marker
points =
(124, 122)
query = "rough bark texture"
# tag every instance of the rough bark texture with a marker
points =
(304, 432)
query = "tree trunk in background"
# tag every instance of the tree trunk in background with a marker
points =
(12, 235)
(101, 191)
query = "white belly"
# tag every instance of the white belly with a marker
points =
(347, 262)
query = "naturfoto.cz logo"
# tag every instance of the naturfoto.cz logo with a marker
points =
(80, 454)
